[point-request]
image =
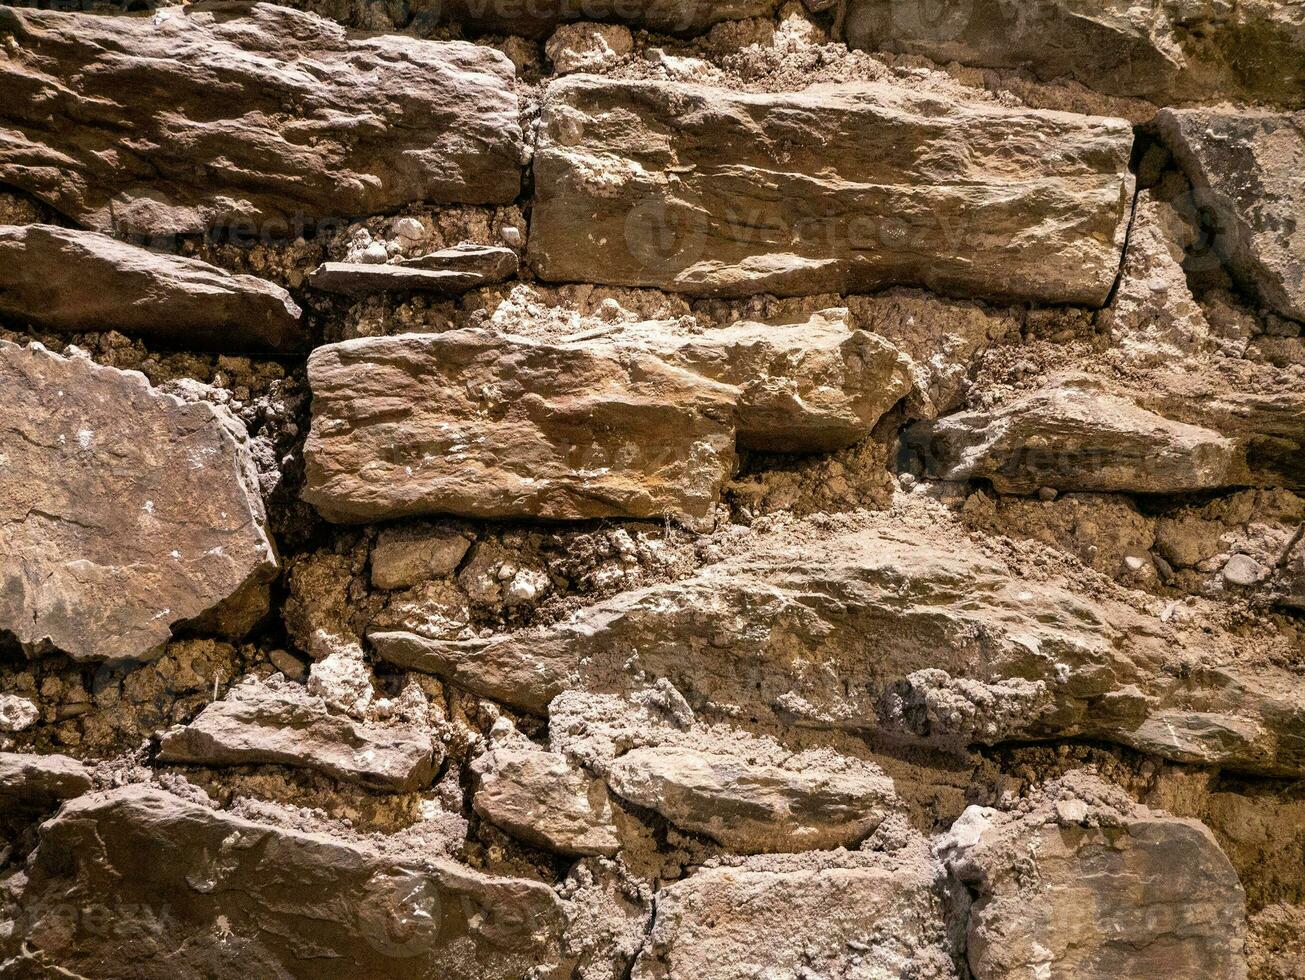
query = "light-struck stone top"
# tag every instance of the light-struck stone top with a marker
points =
(641, 424)
(123, 510)
(847, 188)
(250, 116)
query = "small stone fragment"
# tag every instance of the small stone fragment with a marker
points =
(17, 714)
(282, 724)
(587, 46)
(1243, 570)
(404, 557)
(541, 798)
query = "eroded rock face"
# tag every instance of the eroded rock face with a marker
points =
(640, 425)
(753, 808)
(73, 281)
(1248, 169)
(919, 635)
(712, 192)
(1078, 887)
(209, 893)
(247, 115)
(1175, 430)
(123, 510)
(1167, 52)
(853, 915)
(282, 724)
(1075, 436)
(540, 797)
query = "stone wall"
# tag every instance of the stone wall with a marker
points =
(664, 490)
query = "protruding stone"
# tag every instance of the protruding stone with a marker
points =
(912, 631)
(450, 271)
(36, 783)
(282, 724)
(856, 915)
(1246, 170)
(1167, 51)
(123, 510)
(73, 281)
(209, 893)
(404, 557)
(752, 808)
(248, 116)
(640, 424)
(836, 188)
(541, 798)
(1116, 890)
(17, 713)
(1074, 435)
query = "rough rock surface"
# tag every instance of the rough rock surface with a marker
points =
(1167, 51)
(480, 425)
(539, 797)
(449, 271)
(754, 808)
(712, 192)
(1087, 884)
(538, 19)
(1248, 169)
(71, 281)
(855, 915)
(281, 723)
(39, 782)
(208, 892)
(247, 116)
(913, 634)
(123, 510)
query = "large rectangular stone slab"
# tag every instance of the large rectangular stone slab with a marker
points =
(842, 188)
(246, 115)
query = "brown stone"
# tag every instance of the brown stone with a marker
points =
(247, 116)
(80, 281)
(193, 891)
(123, 510)
(282, 724)
(842, 188)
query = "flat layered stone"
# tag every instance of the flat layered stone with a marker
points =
(541, 798)
(1074, 435)
(639, 424)
(1169, 429)
(916, 633)
(247, 116)
(262, 722)
(449, 271)
(1166, 51)
(856, 915)
(209, 893)
(1247, 169)
(123, 511)
(752, 808)
(73, 281)
(1075, 888)
(836, 188)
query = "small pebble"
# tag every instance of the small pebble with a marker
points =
(1242, 570)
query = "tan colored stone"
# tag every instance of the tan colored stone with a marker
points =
(844, 188)
(642, 423)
